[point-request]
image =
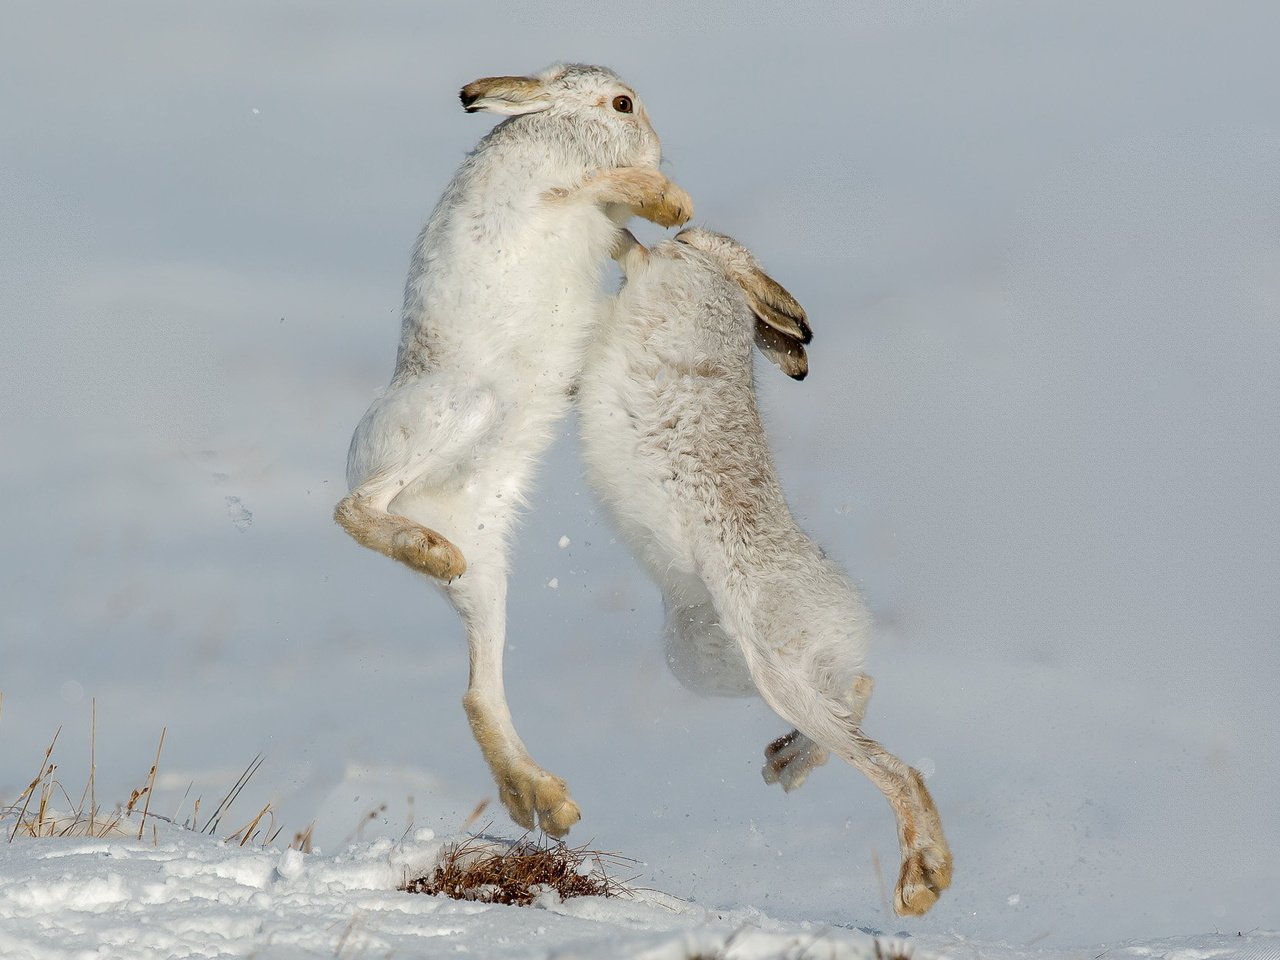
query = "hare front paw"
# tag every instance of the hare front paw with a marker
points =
(926, 872)
(646, 192)
(672, 207)
(789, 759)
(534, 797)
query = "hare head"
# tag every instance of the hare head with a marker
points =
(583, 105)
(782, 329)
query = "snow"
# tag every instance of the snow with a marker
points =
(185, 894)
(1038, 246)
(240, 517)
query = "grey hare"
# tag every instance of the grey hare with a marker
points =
(676, 450)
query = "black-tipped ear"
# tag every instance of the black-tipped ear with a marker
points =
(785, 352)
(510, 96)
(771, 302)
(782, 328)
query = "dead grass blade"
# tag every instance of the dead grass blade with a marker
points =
(37, 813)
(884, 892)
(250, 829)
(302, 839)
(45, 771)
(477, 813)
(212, 825)
(370, 815)
(151, 782)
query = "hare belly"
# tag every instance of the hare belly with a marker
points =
(651, 520)
(633, 484)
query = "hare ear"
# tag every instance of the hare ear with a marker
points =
(510, 96)
(773, 305)
(782, 329)
(785, 352)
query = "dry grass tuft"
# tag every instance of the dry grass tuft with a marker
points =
(520, 873)
(38, 812)
(45, 808)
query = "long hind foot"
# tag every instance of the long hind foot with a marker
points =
(925, 874)
(926, 857)
(534, 797)
(789, 759)
(425, 550)
(399, 538)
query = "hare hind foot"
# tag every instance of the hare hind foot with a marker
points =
(789, 759)
(534, 797)
(427, 551)
(925, 873)
(926, 858)
(400, 539)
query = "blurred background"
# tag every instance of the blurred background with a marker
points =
(1040, 247)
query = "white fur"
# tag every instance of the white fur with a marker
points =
(675, 448)
(502, 298)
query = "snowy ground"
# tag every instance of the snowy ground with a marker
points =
(1039, 247)
(188, 895)
(183, 894)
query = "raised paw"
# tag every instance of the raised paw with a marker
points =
(644, 191)
(925, 874)
(534, 797)
(427, 551)
(399, 538)
(789, 759)
(673, 207)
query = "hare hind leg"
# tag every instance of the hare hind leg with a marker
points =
(833, 723)
(926, 858)
(789, 759)
(412, 439)
(532, 796)
(399, 538)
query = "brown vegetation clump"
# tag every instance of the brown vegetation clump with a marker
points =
(518, 874)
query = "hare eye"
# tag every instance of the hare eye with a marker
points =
(622, 104)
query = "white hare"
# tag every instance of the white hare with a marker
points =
(676, 450)
(502, 298)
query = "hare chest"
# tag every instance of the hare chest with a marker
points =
(522, 313)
